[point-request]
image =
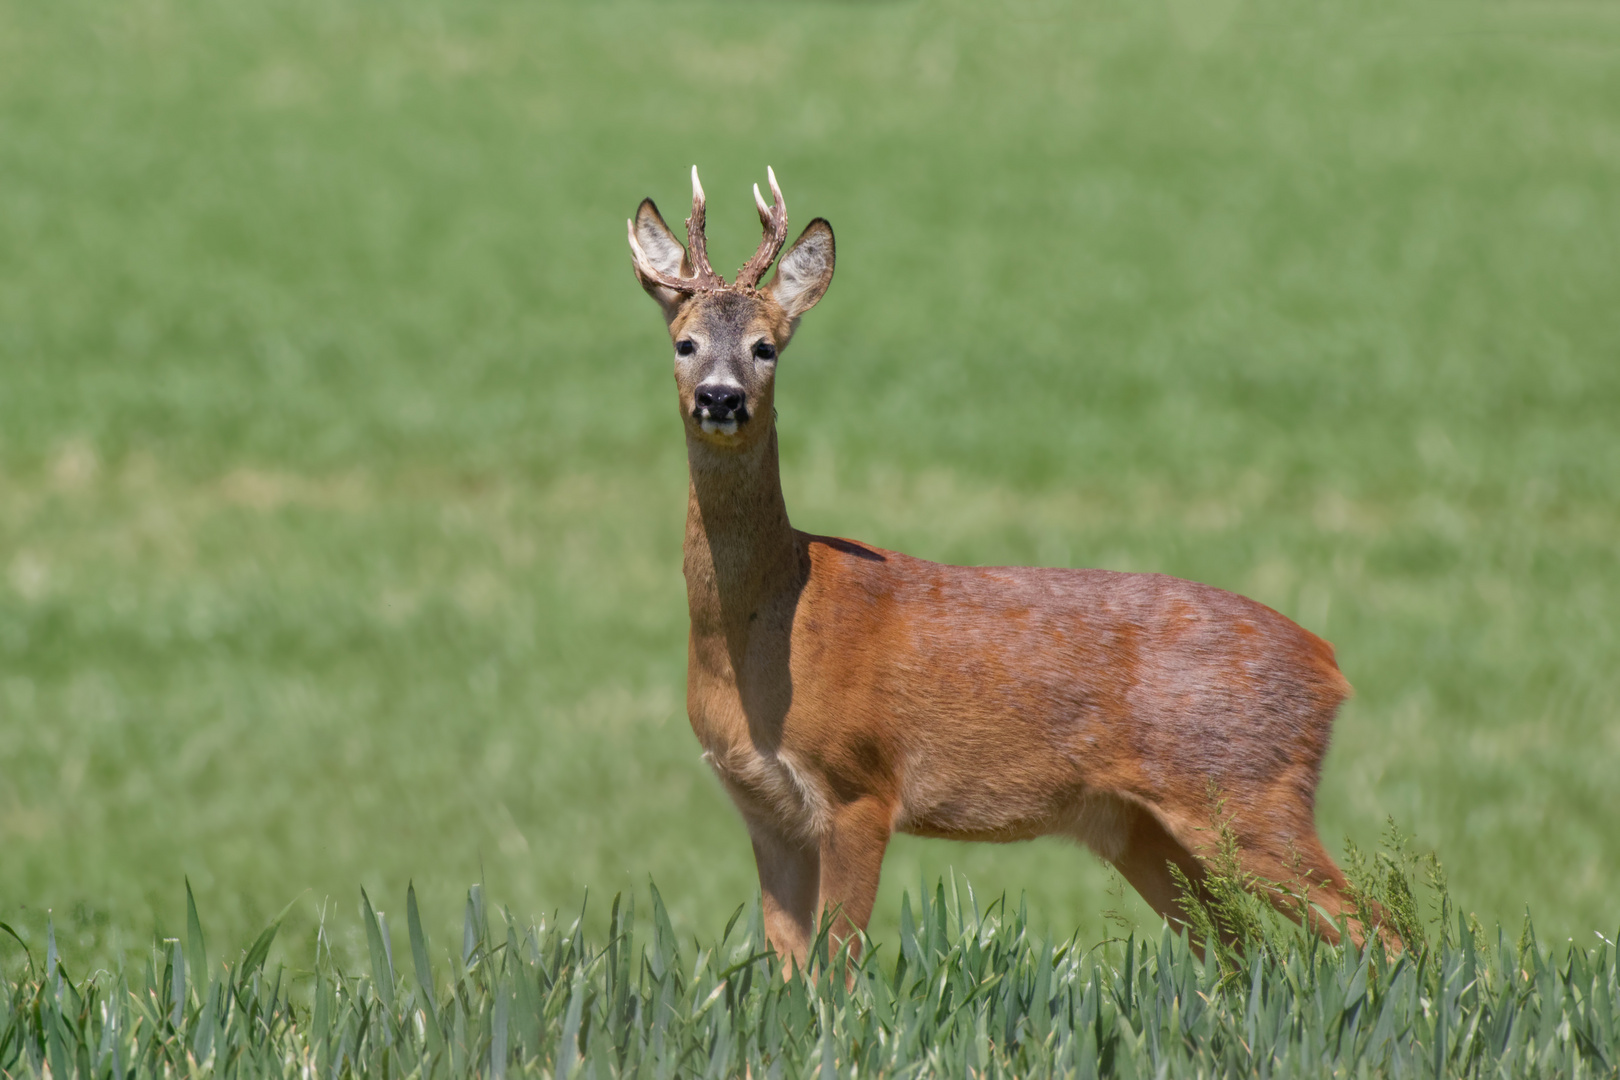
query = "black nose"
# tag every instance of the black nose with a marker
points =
(719, 401)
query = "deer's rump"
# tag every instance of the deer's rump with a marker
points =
(1005, 702)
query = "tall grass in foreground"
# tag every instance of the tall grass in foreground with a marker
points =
(970, 992)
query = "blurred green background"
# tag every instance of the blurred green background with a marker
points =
(341, 476)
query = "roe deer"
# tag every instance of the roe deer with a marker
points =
(842, 692)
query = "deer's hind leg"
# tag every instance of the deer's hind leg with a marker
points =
(1148, 853)
(1286, 866)
(1274, 835)
(1303, 882)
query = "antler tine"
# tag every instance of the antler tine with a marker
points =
(646, 269)
(776, 192)
(764, 211)
(697, 245)
(773, 219)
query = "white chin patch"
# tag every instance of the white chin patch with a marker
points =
(720, 427)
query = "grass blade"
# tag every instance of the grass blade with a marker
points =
(259, 951)
(382, 966)
(196, 947)
(419, 951)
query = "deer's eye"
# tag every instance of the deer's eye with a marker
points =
(764, 350)
(685, 347)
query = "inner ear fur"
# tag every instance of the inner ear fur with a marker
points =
(805, 271)
(666, 253)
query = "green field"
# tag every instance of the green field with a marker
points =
(341, 477)
(969, 994)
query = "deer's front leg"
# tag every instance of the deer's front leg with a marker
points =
(851, 860)
(788, 879)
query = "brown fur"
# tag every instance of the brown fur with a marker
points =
(843, 693)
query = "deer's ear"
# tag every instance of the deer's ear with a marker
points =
(666, 254)
(803, 274)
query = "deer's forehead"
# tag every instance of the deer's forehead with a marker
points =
(727, 316)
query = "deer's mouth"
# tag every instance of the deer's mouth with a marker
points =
(720, 421)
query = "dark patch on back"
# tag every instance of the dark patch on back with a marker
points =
(848, 547)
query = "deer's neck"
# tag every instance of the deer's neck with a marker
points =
(740, 551)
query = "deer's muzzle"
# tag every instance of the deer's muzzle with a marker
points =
(721, 404)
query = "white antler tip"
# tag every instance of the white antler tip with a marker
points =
(697, 186)
(776, 192)
(759, 201)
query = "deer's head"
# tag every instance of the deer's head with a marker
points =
(727, 337)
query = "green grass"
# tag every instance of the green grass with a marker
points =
(341, 481)
(969, 992)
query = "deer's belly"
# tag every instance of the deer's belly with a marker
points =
(1098, 820)
(1008, 793)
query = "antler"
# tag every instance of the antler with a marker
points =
(697, 245)
(774, 221)
(703, 275)
(773, 218)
